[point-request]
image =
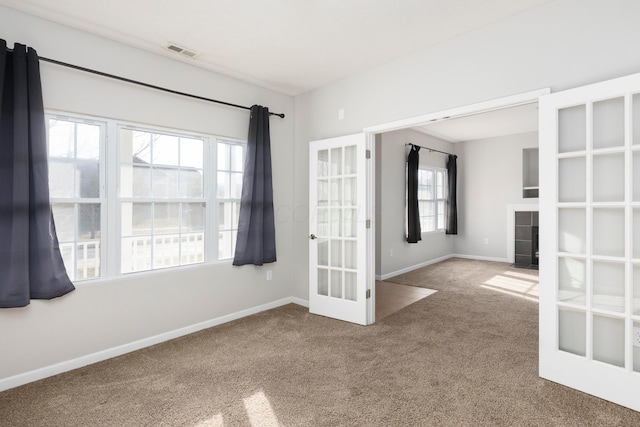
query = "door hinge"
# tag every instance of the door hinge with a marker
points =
(367, 154)
(368, 223)
(368, 293)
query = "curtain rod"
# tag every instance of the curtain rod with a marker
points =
(430, 149)
(175, 92)
(136, 82)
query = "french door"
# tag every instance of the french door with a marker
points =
(590, 240)
(339, 230)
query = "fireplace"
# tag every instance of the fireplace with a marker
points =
(526, 239)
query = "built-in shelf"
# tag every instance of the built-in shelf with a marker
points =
(530, 187)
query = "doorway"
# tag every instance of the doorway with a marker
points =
(475, 133)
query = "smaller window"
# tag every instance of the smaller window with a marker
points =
(77, 193)
(431, 198)
(229, 192)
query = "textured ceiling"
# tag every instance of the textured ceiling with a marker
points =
(291, 46)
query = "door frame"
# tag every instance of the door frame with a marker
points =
(452, 113)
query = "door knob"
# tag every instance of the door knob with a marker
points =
(313, 237)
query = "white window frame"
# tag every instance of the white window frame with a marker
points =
(438, 217)
(154, 200)
(220, 200)
(110, 227)
(78, 200)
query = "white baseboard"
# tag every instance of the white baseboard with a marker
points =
(58, 368)
(479, 258)
(300, 301)
(436, 260)
(413, 267)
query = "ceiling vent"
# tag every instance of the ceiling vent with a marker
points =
(182, 50)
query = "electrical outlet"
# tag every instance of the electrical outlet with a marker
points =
(390, 252)
(636, 337)
(269, 275)
(486, 240)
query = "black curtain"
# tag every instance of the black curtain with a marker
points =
(414, 233)
(451, 226)
(31, 265)
(256, 242)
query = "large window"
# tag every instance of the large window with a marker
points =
(162, 204)
(431, 198)
(152, 207)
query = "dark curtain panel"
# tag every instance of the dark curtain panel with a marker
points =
(451, 226)
(256, 243)
(31, 265)
(414, 233)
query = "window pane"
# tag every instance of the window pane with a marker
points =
(61, 139)
(88, 178)
(192, 217)
(236, 186)
(88, 260)
(164, 182)
(223, 157)
(236, 214)
(224, 216)
(138, 146)
(165, 150)
(61, 177)
(166, 250)
(65, 220)
(166, 218)
(223, 185)
(192, 248)
(135, 181)
(88, 141)
(237, 158)
(191, 183)
(89, 221)
(191, 153)
(135, 254)
(224, 245)
(136, 219)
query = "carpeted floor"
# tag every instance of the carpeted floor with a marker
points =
(465, 356)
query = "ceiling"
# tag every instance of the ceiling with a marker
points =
(504, 121)
(291, 46)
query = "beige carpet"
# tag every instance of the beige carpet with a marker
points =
(466, 355)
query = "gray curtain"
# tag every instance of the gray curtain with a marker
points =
(256, 242)
(414, 233)
(451, 205)
(31, 265)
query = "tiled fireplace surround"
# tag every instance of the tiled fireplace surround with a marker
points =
(526, 239)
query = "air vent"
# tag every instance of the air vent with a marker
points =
(182, 50)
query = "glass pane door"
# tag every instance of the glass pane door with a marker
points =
(337, 228)
(590, 258)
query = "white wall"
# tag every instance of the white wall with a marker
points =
(110, 313)
(489, 179)
(562, 44)
(394, 253)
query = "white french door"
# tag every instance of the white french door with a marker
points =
(338, 228)
(590, 239)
